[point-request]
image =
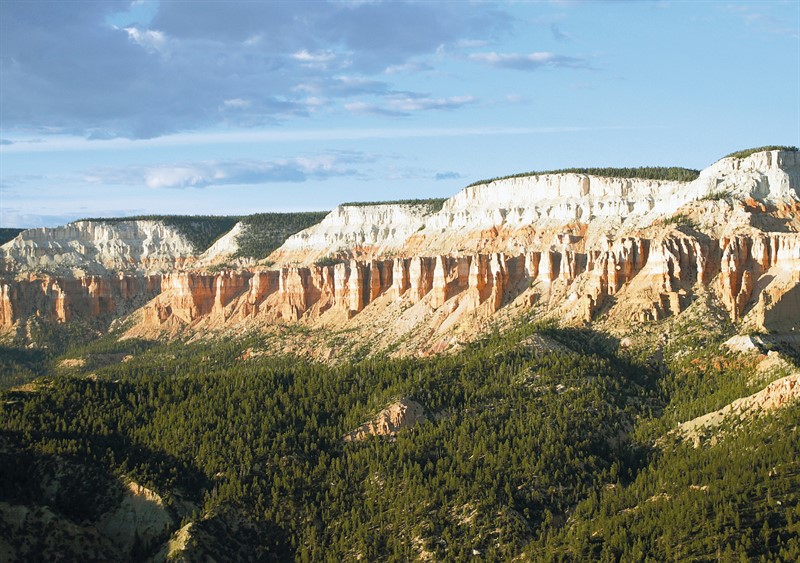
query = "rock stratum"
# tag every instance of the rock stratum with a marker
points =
(412, 278)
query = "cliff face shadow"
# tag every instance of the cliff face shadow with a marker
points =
(784, 315)
(773, 224)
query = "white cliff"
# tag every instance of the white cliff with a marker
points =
(365, 230)
(94, 247)
(225, 249)
(608, 205)
(545, 211)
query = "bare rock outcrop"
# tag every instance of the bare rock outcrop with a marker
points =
(65, 299)
(400, 415)
(571, 245)
(141, 516)
(778, 394)
(96, 247)
(361, 231)
(755, 276)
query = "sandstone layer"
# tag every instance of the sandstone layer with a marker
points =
(576, 247)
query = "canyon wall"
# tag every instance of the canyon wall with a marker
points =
(515, 215)
(96, 247)
(361, 231)
(66, 299)
(648, 279)
(573, 246)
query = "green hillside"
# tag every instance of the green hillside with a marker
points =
(264, 232)
(544, 455)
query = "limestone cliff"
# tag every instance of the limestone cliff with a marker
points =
(61, 300)
(96, 247)
(515, 215)
(572, 246)
(354, 230)
(648, 279)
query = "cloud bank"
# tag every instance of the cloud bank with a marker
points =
(82, 68)
(228, 172)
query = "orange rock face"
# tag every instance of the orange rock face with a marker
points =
(63, 300)
(755, 276)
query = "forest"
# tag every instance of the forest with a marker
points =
(432, 205)
(6, 234)
(264, 232)
(671, 173)
(541, 453)
(747, 152)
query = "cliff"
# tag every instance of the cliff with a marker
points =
(96, 247)
(57, 299)
(576, 247)
(515, 215)
(356, 231)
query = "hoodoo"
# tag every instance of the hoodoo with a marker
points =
(572, 244)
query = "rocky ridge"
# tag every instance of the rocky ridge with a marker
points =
(583, 248)
(95, 247)
(355, 230)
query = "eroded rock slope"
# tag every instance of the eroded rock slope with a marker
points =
(580, 247)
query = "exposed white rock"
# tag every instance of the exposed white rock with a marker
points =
(224, 249)
(141, 514)
(548, 202)
(382, 228)
(564, 198)
(744, 343)
(94, 247)
(770, 176)
(551, 204)
(400, 415)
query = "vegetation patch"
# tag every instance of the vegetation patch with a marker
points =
(671, 173)
(329, 260)
(264, 232)
(747, 152)
(433, 205)
(718, 195)
(530, 452)
(680, 220)
(7, 234)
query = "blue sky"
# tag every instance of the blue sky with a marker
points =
(111, 108)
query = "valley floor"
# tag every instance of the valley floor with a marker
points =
(535, 442)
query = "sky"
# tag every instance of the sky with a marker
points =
(113, 108)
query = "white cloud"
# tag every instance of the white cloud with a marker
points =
(169, 67)
(228, 172)
(151, 40)
(237, 103)
(179, 177)
(306, 57)
(280, 136)
(398, 104)
(418, 104)
(408, 67)
(531, 61)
